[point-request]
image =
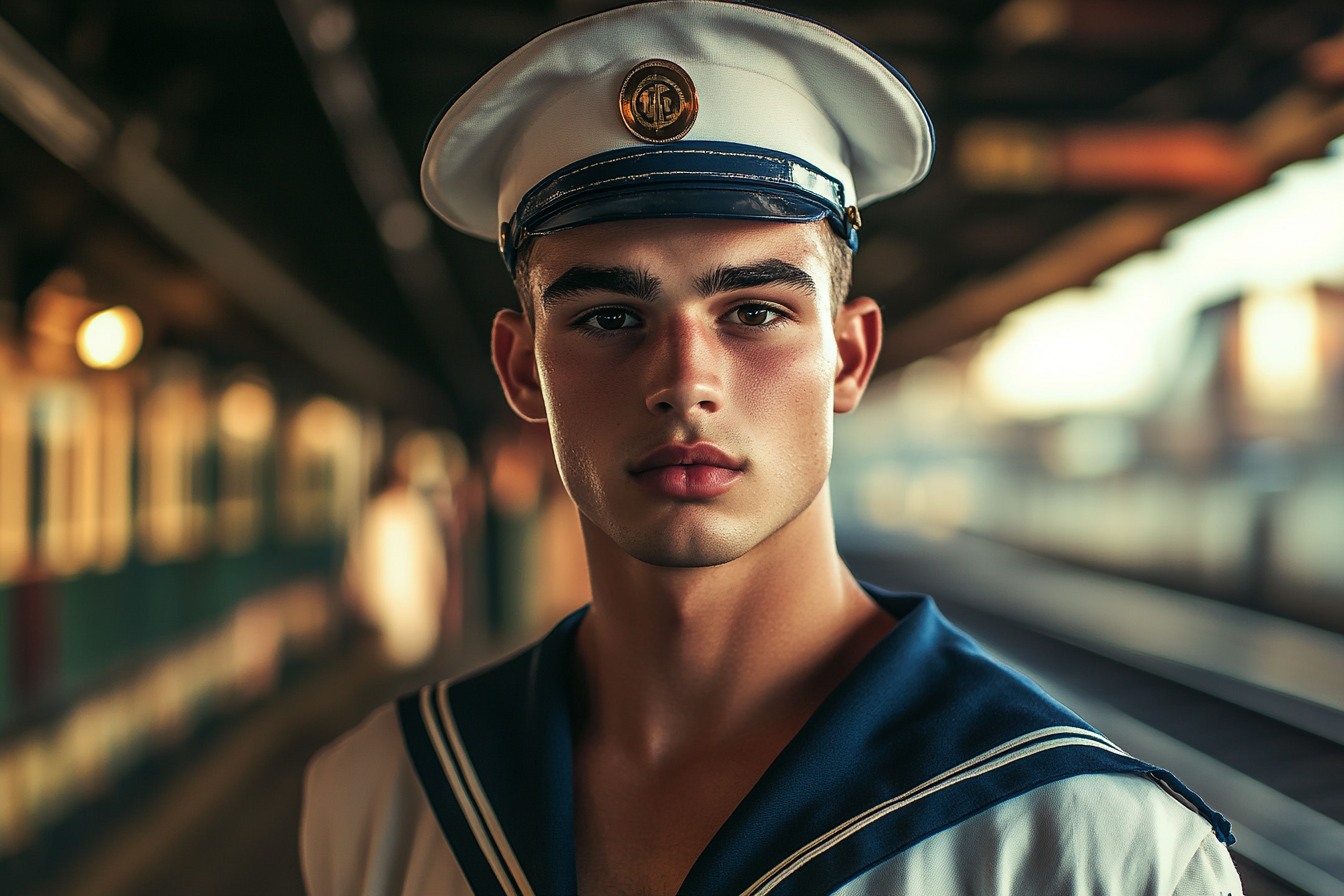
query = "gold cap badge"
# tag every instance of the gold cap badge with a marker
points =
(658, 101)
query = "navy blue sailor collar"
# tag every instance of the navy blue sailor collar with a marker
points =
(925, 732)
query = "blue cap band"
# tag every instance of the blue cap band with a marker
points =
(689, 179)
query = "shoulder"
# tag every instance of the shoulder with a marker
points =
(367, 829)
(1097, 834)
(372, 748)
(350, 781)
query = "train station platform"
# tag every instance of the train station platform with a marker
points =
(221, 816)
(1246, 709)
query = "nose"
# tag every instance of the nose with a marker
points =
(684, 369)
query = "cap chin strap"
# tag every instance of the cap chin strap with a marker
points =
(689, 179)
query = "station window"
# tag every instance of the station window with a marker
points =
(172, 515)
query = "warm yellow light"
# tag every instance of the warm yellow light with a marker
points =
(1281, 363)
(247, 412)
(109, 339)
(324, 424)
(399, 570)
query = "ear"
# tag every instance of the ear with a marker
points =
(516, 363)
(858, 338)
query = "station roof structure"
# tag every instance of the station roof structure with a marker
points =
(1071, 135)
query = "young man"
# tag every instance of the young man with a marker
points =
(675, 187)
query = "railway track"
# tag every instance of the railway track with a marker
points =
(1247, 709)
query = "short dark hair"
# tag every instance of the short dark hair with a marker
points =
(839, 257)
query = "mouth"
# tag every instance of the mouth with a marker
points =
(701, 470)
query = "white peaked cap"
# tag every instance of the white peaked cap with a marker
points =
(789, 113)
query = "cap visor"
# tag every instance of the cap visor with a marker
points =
(682, 201)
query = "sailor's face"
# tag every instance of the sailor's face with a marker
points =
(687, 372)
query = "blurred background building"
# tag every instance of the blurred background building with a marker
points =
(256, 476)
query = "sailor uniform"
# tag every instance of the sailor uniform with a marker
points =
(930, 769)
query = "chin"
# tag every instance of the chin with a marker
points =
(699, 540)
(689, 553)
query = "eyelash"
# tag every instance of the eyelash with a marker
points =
(587, 321)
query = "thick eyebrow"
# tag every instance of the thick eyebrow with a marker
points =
(763, 273)
(636, 283)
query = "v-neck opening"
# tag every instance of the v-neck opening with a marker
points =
(574, 675)
(923, 704)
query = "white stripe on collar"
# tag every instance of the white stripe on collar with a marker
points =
(471, 798)
(1004, 754)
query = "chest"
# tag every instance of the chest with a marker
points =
(639, 829)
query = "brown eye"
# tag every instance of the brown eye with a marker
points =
(610, 318)
(754, 315)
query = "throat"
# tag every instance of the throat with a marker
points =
(641, 823)
(670, 737)
(673, 674)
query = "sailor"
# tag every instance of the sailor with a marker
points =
(676, 189)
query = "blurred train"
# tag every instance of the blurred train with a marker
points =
(169, 535)
(1178, 422)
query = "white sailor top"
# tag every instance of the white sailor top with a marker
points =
(930, 769)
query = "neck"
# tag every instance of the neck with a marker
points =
(689, 660)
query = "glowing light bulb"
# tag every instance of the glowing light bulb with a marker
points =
(323, 424)
(247, 412)
(109, 339)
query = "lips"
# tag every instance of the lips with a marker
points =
(701, 470)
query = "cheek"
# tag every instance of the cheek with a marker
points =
(791, 383)
(785, 396)
(579, 401)
(564, 379)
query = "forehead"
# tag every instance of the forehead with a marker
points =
(674, 247)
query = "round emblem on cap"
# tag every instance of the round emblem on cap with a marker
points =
(658, 101)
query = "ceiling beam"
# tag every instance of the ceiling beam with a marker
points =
(1297, 125)
(55, 113)
(1072, 259)
(326, 35)
(1192, 156)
